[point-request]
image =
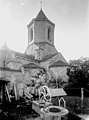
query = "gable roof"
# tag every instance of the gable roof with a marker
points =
(60, 58)
(32, 65)
(23, 55)
(58, 63)
(46, 58)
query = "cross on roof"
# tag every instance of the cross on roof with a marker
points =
(41, 2)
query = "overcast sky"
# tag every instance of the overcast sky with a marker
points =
(71, 18)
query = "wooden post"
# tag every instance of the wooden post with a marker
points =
(15, 91)
(8, 93)
(56, 83)
(82, 98)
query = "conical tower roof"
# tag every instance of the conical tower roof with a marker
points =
(41, 16)
(4, 47)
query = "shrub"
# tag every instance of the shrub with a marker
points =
(73, 104)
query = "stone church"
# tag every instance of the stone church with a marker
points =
(40, 54)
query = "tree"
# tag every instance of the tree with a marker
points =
(78, 73)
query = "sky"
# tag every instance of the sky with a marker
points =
(71, 18)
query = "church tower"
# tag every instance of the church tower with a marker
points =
(41, 29)
(41, 37)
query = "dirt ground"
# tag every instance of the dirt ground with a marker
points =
(25, 112)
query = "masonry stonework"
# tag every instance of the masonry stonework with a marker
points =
(41, 54)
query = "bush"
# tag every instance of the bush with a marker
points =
(73, 104)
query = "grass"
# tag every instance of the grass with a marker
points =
(73, 104)
(23, 111)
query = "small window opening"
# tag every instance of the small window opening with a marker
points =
(31, 35)
(49, 33)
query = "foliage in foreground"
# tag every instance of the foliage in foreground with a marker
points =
(75, 106)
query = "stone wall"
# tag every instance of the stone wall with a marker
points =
(60, 72)
(8, 73)
(39, 31)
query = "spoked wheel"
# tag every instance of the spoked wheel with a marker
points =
(45, 94)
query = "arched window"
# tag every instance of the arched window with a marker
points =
(31, 34)
(49, 33)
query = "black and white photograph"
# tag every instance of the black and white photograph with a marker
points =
(44, 59)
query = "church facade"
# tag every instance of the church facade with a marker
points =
(40, 55)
